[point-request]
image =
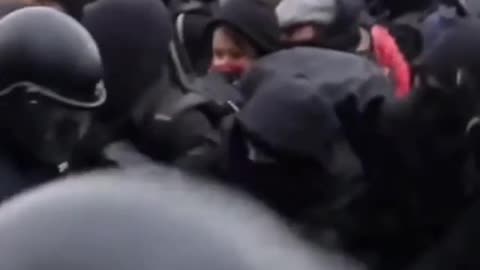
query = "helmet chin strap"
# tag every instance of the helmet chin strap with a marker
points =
(29, 87)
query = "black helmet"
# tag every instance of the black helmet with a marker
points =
(106, 221)
(47, 52)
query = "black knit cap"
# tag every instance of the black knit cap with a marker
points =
(255, 19)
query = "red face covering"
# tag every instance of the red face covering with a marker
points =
(231, 71)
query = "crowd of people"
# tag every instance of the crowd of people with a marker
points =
(239, 134)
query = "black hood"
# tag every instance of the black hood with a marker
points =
(287, 145)
(289, 115)
(254, 19)
(283, 148)
(133, 38)
(333, 74)
(292, 97)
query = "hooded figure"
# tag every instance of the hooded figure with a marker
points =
(164, 220)
(419, 155)
(133, 38)
(51, 81)
(143, 81)
(337, 24)
(287, 145)
(243, 31)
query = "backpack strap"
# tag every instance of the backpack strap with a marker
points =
(186, 102)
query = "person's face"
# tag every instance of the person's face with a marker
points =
(231, 55)
(302, 34)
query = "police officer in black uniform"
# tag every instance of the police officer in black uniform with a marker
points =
(51, 81)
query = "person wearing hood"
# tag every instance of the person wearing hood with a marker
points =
(432, 141)
(133, 38)
(243, 31)
(336, 24)
(286, 146)
(51, 83)
(143, 118)
(164, 220)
